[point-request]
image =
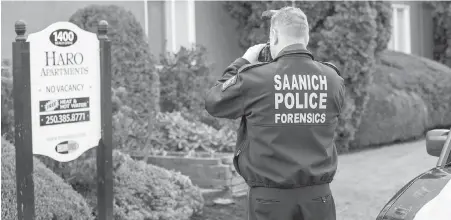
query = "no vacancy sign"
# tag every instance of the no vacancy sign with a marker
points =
(65, 91)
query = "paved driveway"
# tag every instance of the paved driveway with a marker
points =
(365, 181)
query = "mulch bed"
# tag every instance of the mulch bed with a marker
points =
(235, 211)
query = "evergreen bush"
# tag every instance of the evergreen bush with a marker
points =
(184, 78)
(54, 199)
(7, 102)
(144, 191)
(409, 96)
(132, 62)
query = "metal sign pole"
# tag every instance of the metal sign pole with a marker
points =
(22, 124)
(105, 148)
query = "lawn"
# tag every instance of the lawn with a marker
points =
(365, 181)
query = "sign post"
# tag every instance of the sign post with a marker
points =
(105, 149)
(22, 124)
(62, 104)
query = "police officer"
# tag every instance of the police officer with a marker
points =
(289, 109)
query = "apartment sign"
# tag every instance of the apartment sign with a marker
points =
(65, 91)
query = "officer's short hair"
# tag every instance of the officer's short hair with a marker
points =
(290, 21)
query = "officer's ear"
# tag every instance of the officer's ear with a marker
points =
(307, 39)
(273, 37)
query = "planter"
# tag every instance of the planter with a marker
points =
(211, 171)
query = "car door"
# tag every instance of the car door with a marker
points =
(438, 208)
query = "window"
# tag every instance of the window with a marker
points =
(146, 19)
(180, 24)
(400, 38)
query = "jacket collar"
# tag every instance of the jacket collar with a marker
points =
(295, 49)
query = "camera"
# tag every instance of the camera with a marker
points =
(265, 54)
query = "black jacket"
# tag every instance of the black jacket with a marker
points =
(289, 110)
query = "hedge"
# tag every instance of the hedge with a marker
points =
(7, 102)
(409, 96)
(54, 199)
(184, 78)
(132, 62)
(175, 131)
(182, 134)
(348, 34)
(392, 115)
(144, 191)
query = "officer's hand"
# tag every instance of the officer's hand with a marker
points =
(251, 54)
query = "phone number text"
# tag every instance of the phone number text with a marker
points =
(64, 118)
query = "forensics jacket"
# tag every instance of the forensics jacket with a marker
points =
(289, 110)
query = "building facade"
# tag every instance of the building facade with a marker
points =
(412, 29)
(171, 24)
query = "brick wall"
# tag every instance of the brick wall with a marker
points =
(206, 171)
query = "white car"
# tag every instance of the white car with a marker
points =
(428, 196)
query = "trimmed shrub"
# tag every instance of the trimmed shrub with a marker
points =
(144, 191)
(184, 78)
(132, 63)
(134, 132)
(216, 123)
(410, 95)
(170, 132)
(442, 31)
(348, 34)
(429, 79)
(54, 199)
(392, 115)
(180, 134)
